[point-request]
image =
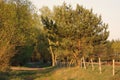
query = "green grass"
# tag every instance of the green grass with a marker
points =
(76, 73)
(73, 73)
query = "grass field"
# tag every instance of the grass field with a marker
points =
(73, 73)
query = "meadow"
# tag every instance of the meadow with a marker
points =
(64, 73)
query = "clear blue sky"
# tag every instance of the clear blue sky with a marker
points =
(109, 9)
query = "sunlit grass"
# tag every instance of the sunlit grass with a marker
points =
(73, 73)
(77, 73)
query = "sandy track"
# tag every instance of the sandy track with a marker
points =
(26, 68)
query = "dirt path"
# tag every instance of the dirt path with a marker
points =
(26, 68)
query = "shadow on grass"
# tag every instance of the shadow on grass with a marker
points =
(30, 75)
(26, 74)
(117, 72)
(4, 75)
(37, 65)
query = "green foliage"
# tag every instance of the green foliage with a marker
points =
(17, 28)
(115, 45)
(6, 34)
(78, 31)
(60, 34)
(22, 56)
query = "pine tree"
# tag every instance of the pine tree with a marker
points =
(81, 27)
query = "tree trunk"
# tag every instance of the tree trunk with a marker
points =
(92, 64)
(81, 63)
(71, 63)
(100, 65)
(52, 56)
(113, 67)
(55, 59)
(84, 63)
(78, 63)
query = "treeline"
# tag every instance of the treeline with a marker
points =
(62, 34)
(18, 32)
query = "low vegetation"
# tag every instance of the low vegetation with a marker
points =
(61, 36)
(71, 73)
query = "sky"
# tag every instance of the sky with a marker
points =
(108, 9)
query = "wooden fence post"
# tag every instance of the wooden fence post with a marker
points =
(84, 63)
(100, 65)
(92, 64)
(113, 67)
